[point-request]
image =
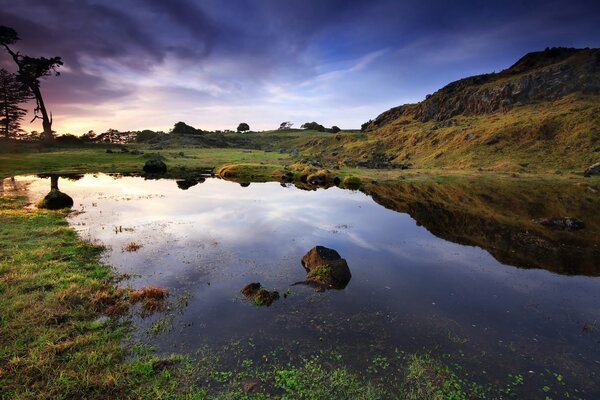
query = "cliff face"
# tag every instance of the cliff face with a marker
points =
(540, 76)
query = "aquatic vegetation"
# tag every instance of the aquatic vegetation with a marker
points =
(132, 246)
(152, 299)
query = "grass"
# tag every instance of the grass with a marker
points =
(559, 136)
(53, 343)
(95, 159)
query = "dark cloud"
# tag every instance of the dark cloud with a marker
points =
(226, 52)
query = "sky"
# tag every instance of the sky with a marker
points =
(147, 64)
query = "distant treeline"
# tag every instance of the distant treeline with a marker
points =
(150, 136)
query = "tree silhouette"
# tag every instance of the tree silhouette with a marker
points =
(242, 127)
(12, 94)
(30, 71)
(285, 125)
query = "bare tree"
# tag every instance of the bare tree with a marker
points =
(30, 71)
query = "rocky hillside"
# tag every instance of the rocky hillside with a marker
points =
(539, 76)
(541, 114)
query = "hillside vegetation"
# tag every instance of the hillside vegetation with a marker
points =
(540, 114)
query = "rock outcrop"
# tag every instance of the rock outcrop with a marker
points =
(538, 76)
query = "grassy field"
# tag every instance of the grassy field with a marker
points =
(96, 159)
(250, 164)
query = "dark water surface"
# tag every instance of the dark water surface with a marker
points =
(489, 284)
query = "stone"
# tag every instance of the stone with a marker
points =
(592, 170)
(155, 167)
(259, 295)
(326, 267)
(55, 200)
(493, 140)
(566, 223)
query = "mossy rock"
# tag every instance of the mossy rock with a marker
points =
(259, 295)
(155, 166)
(326, 267)
(352, 182)
(55, 200)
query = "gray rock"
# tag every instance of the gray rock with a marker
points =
(566, 223)
(592, 170)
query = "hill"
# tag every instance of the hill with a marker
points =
(542, 113)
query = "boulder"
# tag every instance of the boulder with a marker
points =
(592, 170)
(326, 267)
(561, 223)
(259, 295)
(55, 200)
(155, 167)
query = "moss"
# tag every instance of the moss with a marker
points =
(352, 182)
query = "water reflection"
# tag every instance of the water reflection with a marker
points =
(55, 199)
(440, 274)
(501, 217)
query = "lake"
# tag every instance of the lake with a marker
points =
(460, 270)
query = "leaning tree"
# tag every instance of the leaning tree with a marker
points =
(29, 72)
(12, 95)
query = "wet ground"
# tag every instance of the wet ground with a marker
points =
(411, 290)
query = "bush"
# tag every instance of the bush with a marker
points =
(313, 126)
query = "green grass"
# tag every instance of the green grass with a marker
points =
(53, 290)
(95, 159)
(561, 136)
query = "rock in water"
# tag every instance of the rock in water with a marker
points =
(259, 295)
(592, 170)
(155, 167)
(55, 200)
(326, 267)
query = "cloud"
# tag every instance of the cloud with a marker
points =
(134, 64)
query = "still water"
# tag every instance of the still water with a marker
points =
(503, 294)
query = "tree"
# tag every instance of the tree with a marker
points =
(89, 136)
(30, 71)
(243, 127)
(12, 94)
(313, 126)
(183, 128)
(334, 129)
(285, 125)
